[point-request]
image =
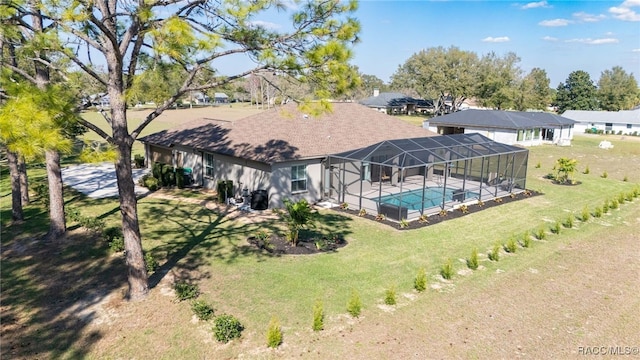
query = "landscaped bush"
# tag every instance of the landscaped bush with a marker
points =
(538, 165)
(150, 263)
(564, 168)
(403, 223)
(274, 333)
(568, 223)
(494, 255)
(297, 215)
(605, 206)
(625, 178)
(72, 213)
(613, 204)
(597, 212)
(447, 270)
(318, 316)
(526, 239)
(354, 306)
(390, 296)
(227, 328)
(586, 170)
(92, 224)
(584, 217)
(556, 228)
(621, 198)
(472, 262)
(186, 291)
(180, 178)
(604, 174)
(138, 160)
(202, 310)
(541, 234)
(116, 244)
(511, 246)
(150, 182)
(420, 282)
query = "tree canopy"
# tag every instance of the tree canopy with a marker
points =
(617, 90)
(577, 93)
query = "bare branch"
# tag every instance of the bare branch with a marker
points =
(96, 129)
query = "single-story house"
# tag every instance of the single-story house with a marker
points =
(221, 98)
(396, 103)
(349, 155)
(507, 127)
(616, 122)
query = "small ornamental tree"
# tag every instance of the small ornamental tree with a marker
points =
(297, 215)
(565, 168)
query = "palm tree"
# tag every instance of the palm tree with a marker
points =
(298, 215)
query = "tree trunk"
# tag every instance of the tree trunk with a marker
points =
(137, 272)
(57, 226)
(24, 181)
(16, 203)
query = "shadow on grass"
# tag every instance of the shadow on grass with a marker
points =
(52, 291)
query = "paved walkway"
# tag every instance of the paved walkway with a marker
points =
(98, 181)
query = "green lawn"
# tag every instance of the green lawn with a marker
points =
(197, 244)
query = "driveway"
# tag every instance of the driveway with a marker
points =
(98, 180)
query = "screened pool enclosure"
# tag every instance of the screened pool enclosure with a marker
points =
(404, 179)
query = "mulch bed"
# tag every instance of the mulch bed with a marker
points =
(279, 245)
(437, 218)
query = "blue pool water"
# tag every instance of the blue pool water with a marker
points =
(412, 200)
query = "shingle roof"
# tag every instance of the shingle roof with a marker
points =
(614, 117)
(501, 119)
(284, 133)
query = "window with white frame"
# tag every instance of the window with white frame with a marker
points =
(298, 178)
(208, 165)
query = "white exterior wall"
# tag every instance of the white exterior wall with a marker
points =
(582, 126)
(562, 136)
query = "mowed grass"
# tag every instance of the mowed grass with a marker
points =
(196, 244)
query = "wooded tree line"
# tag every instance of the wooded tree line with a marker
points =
(498, 82)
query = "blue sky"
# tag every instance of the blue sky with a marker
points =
(557, 36)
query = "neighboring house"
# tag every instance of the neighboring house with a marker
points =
(280, 150)
(507, 127)
(616, 122)
(199, 98)
(396, 103)
(221, 98)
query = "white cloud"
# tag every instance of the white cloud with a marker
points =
(635, 50)
(265, 24)
(555, 22)
(590, 41)
(533, 5)
(549, 38)
(496, 39)
(625, 12)
(584, 17)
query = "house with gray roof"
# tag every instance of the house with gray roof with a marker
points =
(396, 103)
(507, 127)
(616, 122)
(369, 160)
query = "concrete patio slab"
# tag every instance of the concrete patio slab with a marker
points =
(98, 180)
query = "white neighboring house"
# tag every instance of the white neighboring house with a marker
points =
(507, 127)
(625, 122)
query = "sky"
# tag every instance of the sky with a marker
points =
(557, 36)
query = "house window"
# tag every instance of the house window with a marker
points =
(298, 178)
(528, 135)
(629, 126)
(608, 126)
(536, 133)
(366, 171)
(520, 135)
(208, 165)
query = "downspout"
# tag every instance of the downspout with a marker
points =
(424, 185)
(444, 186)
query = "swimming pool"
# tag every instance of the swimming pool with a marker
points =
(412, 200)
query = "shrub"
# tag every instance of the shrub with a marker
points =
(629, 196)
(494, 255)
(150, 263)
(541, 234)
(151, 183)
(605, 206)
(597, 212)
(586, 170)
(604, 174)
(625, 178)
(621, 198)
(186, 291)
(404, 223)
(354, 306)
(538, 165)
(443, 213)
(274, 333)
(180, 178)
(362, 212)
(584, 217)
(116, 244)
(297, 215)
(526, 240)
(227, 328)
(92, 224)
(380, 217)
(344, 206)
(111, 233)
(72, 213)
(420, 282)
(480, 203)
(318, 316)
(447, 269)
(423, 219)
(556, 228)
(568, 223)
(138, 160)
(511, 246)
(614, 204)
(472, 262)
(390, 296)
(202, 310)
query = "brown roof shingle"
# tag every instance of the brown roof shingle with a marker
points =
(285, 133)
